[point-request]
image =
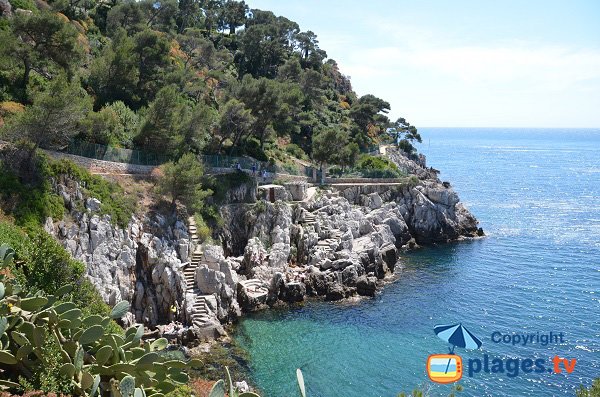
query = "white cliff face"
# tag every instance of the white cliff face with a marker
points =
(215, 276)
(128, 263)
(344, 239)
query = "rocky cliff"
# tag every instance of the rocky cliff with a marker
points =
(334, 242)
(139, 263)
(343, 240)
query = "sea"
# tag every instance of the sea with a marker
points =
(536, 194)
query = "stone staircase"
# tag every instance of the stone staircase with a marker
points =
(329, 243)
(309, 219)
(201, 315)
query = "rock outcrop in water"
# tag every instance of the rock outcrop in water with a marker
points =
(341, 242)
(333, 242)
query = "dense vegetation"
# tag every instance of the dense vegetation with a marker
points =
(31, 198)
(593, 391)
(47, 343)
(181, 76)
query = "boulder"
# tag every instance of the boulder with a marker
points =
(209, 281)
(389, 254)
(293, 292)
(92, 204)
(297, 190)
(366, 286)
(335, 292)
(375, 201)
(213, 253)
(5, 8)
(350, 276)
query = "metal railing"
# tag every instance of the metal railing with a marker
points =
(116, 155)
(140, 157)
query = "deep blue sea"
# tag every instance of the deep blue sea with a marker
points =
(536, 193)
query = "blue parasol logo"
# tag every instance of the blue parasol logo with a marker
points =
(447, 368)
(457, 335)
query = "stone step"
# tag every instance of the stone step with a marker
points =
(252, 282)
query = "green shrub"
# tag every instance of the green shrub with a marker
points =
(30, 205)
(222, 183)
(42, 264)
(48, 344)
(114, 201)
(47, 378)
(335, 170)
(113, 125)
(406, 146)
(593, 391)
(182, 180)
(202, 229)
(296, 151)
(252, 148)
(24, 4)
(377, 167)
(181, 391)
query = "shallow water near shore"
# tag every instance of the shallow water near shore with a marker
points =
(536, 193)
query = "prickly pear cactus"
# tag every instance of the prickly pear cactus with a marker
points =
(95, 361)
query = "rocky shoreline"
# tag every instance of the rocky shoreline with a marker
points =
(298, 242)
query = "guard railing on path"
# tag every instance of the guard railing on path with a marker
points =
(211, 161)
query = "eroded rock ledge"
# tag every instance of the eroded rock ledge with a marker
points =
(341, 243)
(333, 242)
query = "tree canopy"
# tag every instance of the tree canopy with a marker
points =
(181, 76)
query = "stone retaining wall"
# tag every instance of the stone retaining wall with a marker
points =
(103, 167)
(333, 181)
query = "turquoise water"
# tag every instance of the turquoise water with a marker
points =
(537, 196)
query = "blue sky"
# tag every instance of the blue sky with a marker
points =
(457, 63)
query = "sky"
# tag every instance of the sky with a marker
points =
(457, 63)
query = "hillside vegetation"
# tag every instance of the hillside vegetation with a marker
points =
(173, 77)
